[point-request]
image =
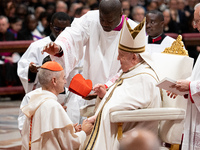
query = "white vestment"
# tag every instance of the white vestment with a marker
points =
(101, 51)
(191, 139)
(33, 54)
(158, 48)
(101, 48)
(51, 127)
(137, 91)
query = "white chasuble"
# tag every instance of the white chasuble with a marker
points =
(133, 90)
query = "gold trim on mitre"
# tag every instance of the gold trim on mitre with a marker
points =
(133, 40)
(177, 48)
(135, 50)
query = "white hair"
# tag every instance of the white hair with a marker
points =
(137, 8)
(167, 10)
(4, 17)
(197, 6)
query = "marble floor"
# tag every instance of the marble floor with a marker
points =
(10, 138)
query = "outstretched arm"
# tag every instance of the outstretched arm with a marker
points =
(52, 48)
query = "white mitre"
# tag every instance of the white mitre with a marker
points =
(133, 40)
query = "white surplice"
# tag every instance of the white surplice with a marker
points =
(101, 48)
(191, 139)
(32, 54)
(137, 91)
(158, 48)
(51, 127)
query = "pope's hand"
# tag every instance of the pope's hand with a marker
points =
(51, 48)
(100, 89)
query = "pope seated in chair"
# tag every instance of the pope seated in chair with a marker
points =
(134, 89)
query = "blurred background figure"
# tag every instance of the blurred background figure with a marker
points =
(189, 11)
(9, 9)
(50, 8)
(151, 5)
(178, 16)
(181, 5)
(5, 35)
(38, 11)
(161, 5)
(190, 6)
(15, 26)
(170, 26)
(126, 8)
(43, 23)
(30, 32)
(134, 3)
(138, 13)
(139, 139)
(61, 6)
(8, 60)
(32, 5)
(21, 11)
(73, 8)
(94, 6)
(81, 11)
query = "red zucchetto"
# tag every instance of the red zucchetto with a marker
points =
(52, 65)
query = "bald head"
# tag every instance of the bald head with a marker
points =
(110, 6)
(139, 139)
(52, 77)
(110, 12)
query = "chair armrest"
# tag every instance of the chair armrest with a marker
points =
(151, 114)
